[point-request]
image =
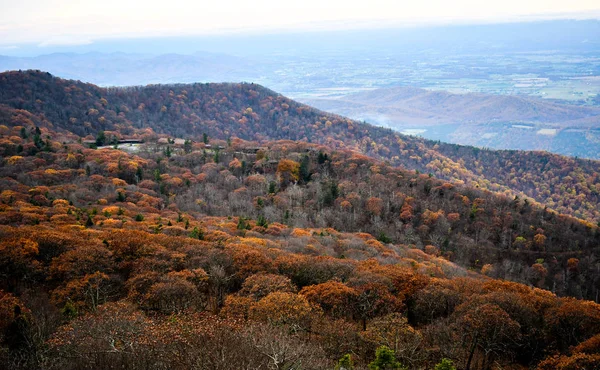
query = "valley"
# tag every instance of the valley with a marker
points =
(482, 120)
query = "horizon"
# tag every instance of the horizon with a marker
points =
(62, 25)
(415, 36)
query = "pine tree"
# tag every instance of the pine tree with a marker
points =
(385, 359)
(345, 363)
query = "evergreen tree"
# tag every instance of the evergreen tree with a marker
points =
(262, 221)
(305, 169)
(322, 158)
(445, 364)
(385, 359)
(345, 363)
(89, 222)
(100, 138)
(272, 187)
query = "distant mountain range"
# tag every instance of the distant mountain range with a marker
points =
(123, 69)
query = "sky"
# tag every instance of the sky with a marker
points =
(49, 23)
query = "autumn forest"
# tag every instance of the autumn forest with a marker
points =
(224, 226)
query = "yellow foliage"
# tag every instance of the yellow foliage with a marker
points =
(62, 218)
(59, 203)
(288, 168)
(282, 308)
(256, 242)
(301, 232)
(14, 160)
(118, 182)
(113, 210)
(112, 223)
(7, 195)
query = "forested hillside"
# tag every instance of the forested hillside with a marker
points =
(251, 112)
(282, 255)
(232, 250)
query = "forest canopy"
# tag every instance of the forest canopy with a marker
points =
(214, 227)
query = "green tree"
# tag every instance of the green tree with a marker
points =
(197, 233)
(445, 364)
(322, 158)
(385, 359)
(272, 187)
(330, 193)
(384, 238)
(305, 169)
(100, 138)
(262, 221)
(139, 174)
(345, 363)
(37, 140)
(243, 224)
(89, 222)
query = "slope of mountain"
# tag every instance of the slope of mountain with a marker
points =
(251, 112)
(188, 255)
(219, 253)
(495, 121)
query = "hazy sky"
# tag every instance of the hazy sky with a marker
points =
(71, 22)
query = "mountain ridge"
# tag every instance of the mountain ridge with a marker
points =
(252, 112)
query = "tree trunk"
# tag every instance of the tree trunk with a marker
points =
(471, 352)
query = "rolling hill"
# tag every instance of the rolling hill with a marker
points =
(251, 112)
